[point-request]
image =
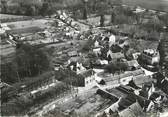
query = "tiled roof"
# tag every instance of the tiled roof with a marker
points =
(110, 77)
(141, 79)
(133, 110)
(117, 77)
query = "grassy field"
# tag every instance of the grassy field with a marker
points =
(7, 16)
(150, 4)
(41, 23)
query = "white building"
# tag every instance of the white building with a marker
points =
(151, 56)
(112, 40)
(88, 76)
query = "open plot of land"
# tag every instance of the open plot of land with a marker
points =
(25, 30)
(88, 103)
(41, 23)
(6, 16)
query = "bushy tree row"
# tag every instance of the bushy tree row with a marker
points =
(115, 67)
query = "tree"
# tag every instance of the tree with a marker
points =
(104, 114)
(88, 45)
(28, 62)
(31, 61)
(163, 49)
(69, 77)
(111, 112)
(164, 18)
(4, 6)
(85, 9)
(113, 17)
(155, 24)
(44, 9)
(9, 73)
(102, 20)
(113, 3)
(102, 10)
(115, 67)
(30, 10)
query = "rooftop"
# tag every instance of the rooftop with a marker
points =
(133, 110)
(73, 53)
(115, 55)
(109, 77)
(150, 52)
(141, 79)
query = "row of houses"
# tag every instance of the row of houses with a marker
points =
(130, 101)
(138, 77)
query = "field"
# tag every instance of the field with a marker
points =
(26, 24)
(150, 4)
(6, 16)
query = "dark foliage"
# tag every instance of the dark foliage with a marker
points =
(116, 67)
(69, 77)
(28, 62)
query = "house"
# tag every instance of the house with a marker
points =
(150, 56)
(112, 40)
(75, 66)
(135, 55)
(124, 44)
(73, 53)
(103, 62)
(99, 80)
(134, 110)
(2, 31)
(4, 26)
(114, 107)
(141, 80)
(88, 77)
(115, 56)
(116, 79)
(124, 79)
(75, 59)
(96, 44)
(99, 63)
(139, 10)
(97, 51)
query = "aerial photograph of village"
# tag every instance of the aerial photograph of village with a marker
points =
(84, 58)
